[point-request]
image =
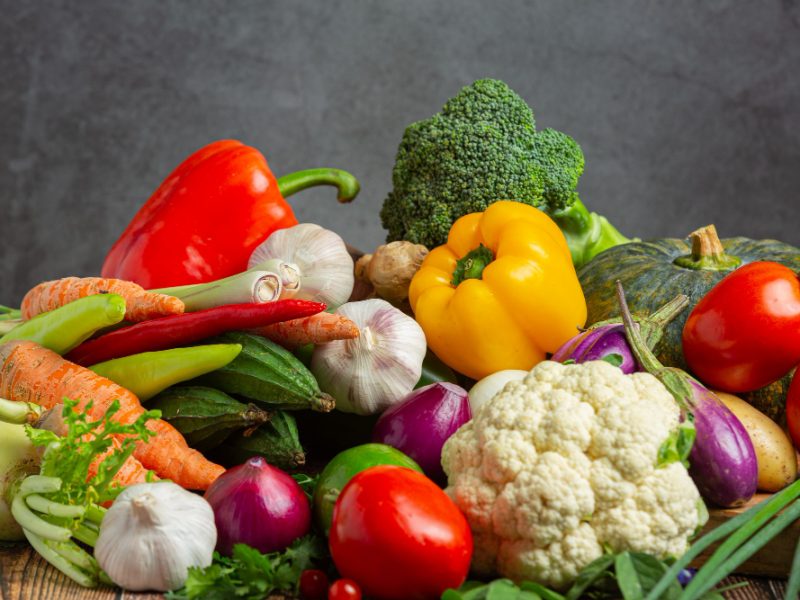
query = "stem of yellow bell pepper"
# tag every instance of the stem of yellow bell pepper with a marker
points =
(471, 265)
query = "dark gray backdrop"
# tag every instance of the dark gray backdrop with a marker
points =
(688, 112)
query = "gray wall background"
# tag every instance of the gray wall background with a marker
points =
(688, 112)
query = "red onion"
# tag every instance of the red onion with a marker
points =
(420, 424)
(258, 505)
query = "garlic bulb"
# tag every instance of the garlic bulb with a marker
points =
(152, 534)
(321, 257)
(368, 374)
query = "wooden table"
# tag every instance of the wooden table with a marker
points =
(25, 576)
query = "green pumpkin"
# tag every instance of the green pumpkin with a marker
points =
(654, 272)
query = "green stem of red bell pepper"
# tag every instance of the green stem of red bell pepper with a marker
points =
(66, 327)
(347, 185)
(149, 373)
(188, 328)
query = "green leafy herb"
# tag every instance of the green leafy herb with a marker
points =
(249, 574)
(69, 458)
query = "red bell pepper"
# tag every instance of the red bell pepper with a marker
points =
(187, 328)
(745, 332)
(205, 219)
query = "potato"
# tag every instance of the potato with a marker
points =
(777, 461)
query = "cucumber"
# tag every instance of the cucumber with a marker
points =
(205, 416)
(277, 441)
(267, 374)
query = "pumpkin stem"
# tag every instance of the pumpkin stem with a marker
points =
(708, 253)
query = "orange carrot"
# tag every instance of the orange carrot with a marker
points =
(316, 329)
(140, 304)
(30, 373)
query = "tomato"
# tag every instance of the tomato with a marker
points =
(313, 585)
(793, 409)
(399, 536)
(342, 468)
(344, 589)
(745, 332)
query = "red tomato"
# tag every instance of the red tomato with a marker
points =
(793, 409)
(399, 536)
(344, 589)
(313, 585)
(745, 332)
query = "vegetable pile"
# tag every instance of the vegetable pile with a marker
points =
(508, 400)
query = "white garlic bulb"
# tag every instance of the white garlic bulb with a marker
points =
(321, 257)
(380, 367)
(152, 534)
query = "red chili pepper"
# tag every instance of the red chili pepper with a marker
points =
(204, 221)
(745, 332)
(178, 330)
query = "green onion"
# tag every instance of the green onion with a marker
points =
(764, 510)
(793, 586)
(250, 286)
(723, 563)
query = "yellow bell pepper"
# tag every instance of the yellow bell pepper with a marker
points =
(501, 293)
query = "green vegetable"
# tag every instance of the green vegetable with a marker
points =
(9, 318)
(267, 374)
(651, 276)
(343, 467)
(62, 502)
(434, 370)
(66, 327)
(205, 416)
(277, 441)
(249, 286)
(482, 147)
(250, 575)
(148, 373)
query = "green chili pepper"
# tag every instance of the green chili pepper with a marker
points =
(433, 370)
(66, 327)
(148, 373)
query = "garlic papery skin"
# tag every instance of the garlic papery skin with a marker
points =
(321, 257)
(368, 374)
(152, 534)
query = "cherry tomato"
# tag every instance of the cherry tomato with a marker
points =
(399, 535)
(344, 589)
(313, 585)
(745, 332)
(793, 409)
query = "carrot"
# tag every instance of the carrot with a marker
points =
(316, 329)
(140, 304)
(30, 373)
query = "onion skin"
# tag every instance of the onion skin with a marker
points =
(723, 460)
(258, 505)
(597, 343)
(421, 423)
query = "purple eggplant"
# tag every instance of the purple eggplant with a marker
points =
(722, 461)
(604, 340)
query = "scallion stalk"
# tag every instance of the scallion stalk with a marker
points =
(250, 286)
(793, 586)
(736, 527)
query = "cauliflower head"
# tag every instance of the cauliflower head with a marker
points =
(563, 464)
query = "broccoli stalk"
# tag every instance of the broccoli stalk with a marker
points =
(482, 147)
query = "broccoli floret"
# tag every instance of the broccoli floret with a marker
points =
(482, 147)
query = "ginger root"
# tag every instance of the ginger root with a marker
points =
(389, 270)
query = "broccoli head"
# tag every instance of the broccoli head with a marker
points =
(482, 147)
